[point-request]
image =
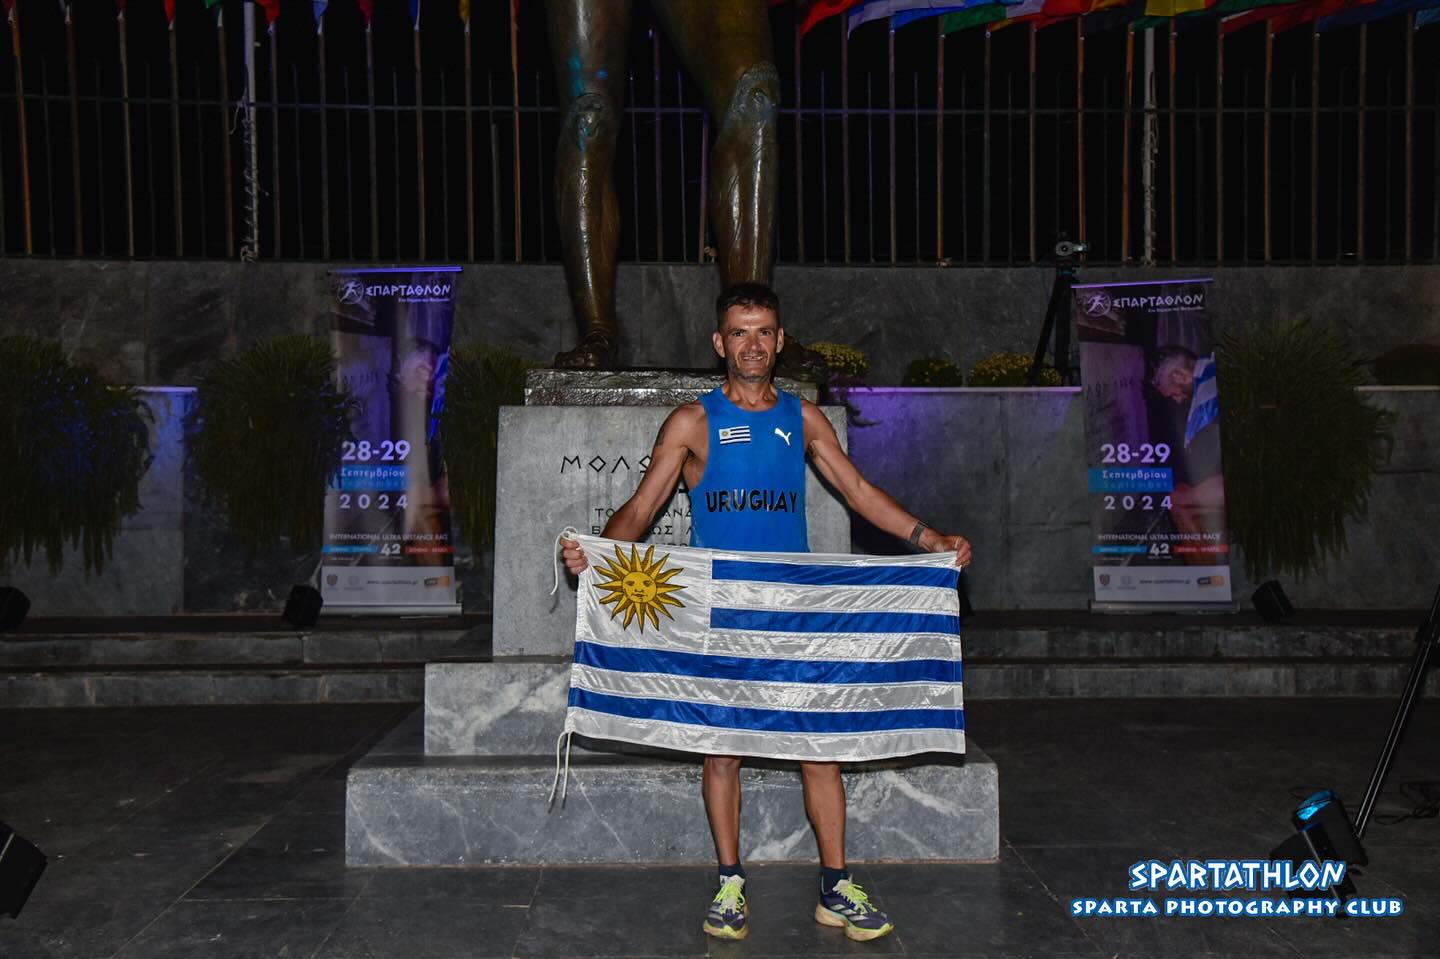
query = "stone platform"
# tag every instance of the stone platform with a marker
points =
(406, 808)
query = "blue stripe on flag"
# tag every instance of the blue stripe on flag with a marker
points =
(815, 575)
(771, 621)
(639, 660)
(767, 720)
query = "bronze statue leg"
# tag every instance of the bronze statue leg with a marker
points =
(587, 43)
(726, 46)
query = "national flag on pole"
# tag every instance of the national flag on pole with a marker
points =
(1356, 15)
(415, 12)
(367, 9)
(1427, 17)
(801, 656)
(465, 12)
(317, 7)
(976, 16)
(880, 9)
(1204, 402)
(907, 17)
(272, 9)
(824, 10)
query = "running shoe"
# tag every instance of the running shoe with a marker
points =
(847, 905)
(728, 915)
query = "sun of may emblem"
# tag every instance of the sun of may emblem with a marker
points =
(639, 587)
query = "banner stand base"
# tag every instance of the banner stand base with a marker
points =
(1217, 608)
(435, 609)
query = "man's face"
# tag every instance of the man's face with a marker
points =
(417, 369)
(749, 340)
(1175, 380)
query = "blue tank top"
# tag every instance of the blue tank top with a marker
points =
(752, 494)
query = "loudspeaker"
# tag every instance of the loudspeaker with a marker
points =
(302, 609)
(1323, 832)
(1271, 602)
(13, 607)
(21, 864)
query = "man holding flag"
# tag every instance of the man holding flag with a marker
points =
(750, 437)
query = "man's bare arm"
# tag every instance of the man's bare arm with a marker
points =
(633, 519)
(822, 446)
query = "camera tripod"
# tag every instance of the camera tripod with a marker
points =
(1057, 315)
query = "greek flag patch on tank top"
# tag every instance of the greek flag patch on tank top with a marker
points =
(734, 434)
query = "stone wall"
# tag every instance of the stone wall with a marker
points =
(160, 322)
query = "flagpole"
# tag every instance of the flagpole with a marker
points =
(940, 139)
(469, 150)
(1149, 149)
(24, 133)
(175, 142)
(1360, 147)
(274, 137)
(374, 171)
(515, 115)
(890, 69)
(324, 139)
(1125, 145)
(1174, 190)
(1410, 135)
(1314, 142)
(72, 70)
(1219, 145)
(1031, 139)
(985, 159)
(419, 135)
(799, 149)
(125, 117)
(224, 140)
(1266, 130)
(1079, 133)
(845, 127)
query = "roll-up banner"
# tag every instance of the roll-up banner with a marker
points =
(388, 545)
(1152, 430)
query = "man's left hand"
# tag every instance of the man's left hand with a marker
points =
(933, 541)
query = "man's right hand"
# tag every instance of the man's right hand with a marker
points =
(575, 560)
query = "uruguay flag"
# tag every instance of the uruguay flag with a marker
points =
(799, 656)
(1205, 402)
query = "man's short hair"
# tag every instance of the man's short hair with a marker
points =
(748, 295)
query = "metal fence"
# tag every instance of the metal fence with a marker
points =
(1299, 148)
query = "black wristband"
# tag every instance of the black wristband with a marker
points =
(920, 527)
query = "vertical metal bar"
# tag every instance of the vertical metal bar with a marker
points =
(1294, 159)
(1009, 167)
(1435, 172)
(445, 171)
(915, 131)
(1245, 166)
(419, 142)
(659, 152)
(395, 161)
(100, 157)
(323, 90)
(634, 167)
(1265, 172)
(890, 166)
(275, 140)
(540, 162)
(374, 150)
(299, 152)
(224, 141)
(870, 165)
(200, 191)
(1360, 107)
(1079, 132)
(72, 73)
(799, 150)
(1219, 144)
(1199, 155)
(704, 225)
(1125, 145)
(845, 131)
(1030, 166)
(985, 156)
(684, 203)
(1410, 137)
(1105, 166)
(824, 174)
(1339, 167)
(469, 148)
(964, 174)
(176, 181)
(1314, 142)
(129, 146)
(45, 163)
(515, 123)
(494, 168)
(1387, 178)
(24, 132)
(349, 208)
(148, 100)
(939, 139)
(1174, 163)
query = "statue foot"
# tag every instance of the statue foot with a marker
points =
(595, 351)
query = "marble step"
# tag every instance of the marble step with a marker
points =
(211, 685)
(404, 808)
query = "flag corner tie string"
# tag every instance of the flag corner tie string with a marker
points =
(561, 783)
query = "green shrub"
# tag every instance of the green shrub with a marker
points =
(1300, 445)
(73, 449)
(1414, 364)
(1010, 369)
(266, 438)
(932, 371)
(844, 361)
(481, 380)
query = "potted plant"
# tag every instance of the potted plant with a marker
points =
(73, 449)
(1010, 369)
(932, 371)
